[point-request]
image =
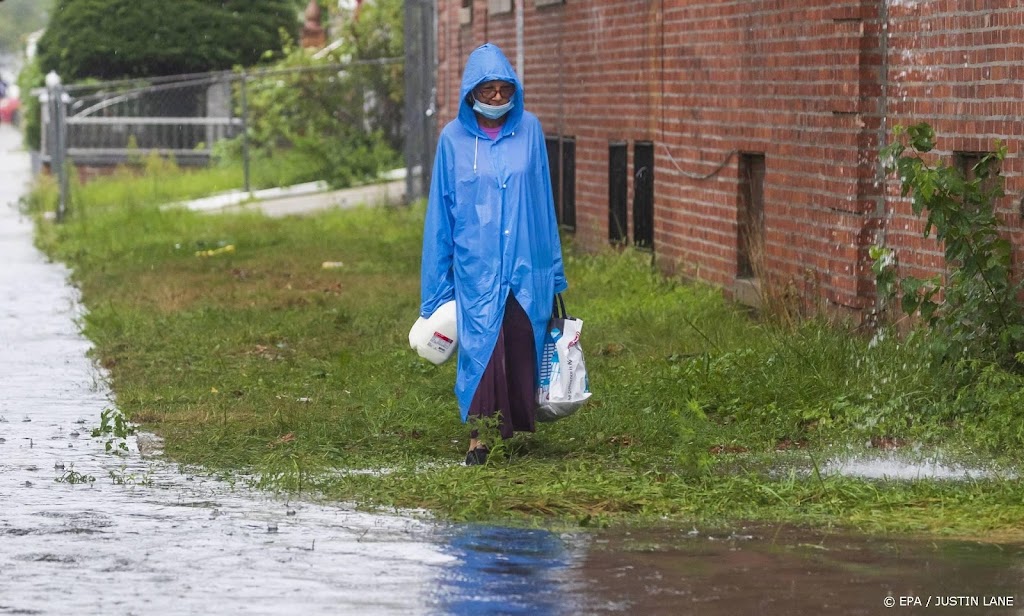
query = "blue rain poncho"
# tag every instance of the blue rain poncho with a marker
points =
(490, 226)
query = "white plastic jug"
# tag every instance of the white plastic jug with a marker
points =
(435, 338)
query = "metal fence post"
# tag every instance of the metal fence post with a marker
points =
(245, 134)
(58, 139)
(420, 94)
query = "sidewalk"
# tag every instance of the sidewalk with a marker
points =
(302, 198)
(84, 531)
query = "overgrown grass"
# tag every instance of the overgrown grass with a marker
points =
(257, 359)
(151, 180)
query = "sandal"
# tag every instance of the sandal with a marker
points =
(477, 456)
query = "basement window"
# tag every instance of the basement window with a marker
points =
(750, 216)
(972, 165)
(618, 190)
(562, 164)
(643, 195)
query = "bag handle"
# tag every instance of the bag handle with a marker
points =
(558, 309)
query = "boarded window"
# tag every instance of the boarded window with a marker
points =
(562, 161)
(497, 7)
(972, 165)
(750, 216)
(643, 195)
(618, 187)
(568, 186)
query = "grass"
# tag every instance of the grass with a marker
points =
(258, 360)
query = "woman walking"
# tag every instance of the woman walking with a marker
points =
(490, 242)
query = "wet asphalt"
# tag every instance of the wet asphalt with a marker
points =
(83, 531)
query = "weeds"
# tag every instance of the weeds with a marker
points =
(116, 428)
(74, 477)
(972, 311)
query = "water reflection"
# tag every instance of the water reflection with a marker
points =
(506, 571)
(793, 572)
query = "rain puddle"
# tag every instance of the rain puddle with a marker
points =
(83, 531)
(791, 571)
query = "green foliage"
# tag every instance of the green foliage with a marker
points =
(19, 18)
(973, 311)
(378, 34)
(73, 477)
(310, 109)
(111, 39)
(116, 428)
(31, 121)
(347, 124)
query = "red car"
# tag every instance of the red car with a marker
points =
(9, 106)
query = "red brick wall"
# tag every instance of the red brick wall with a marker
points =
(959, 65)
(814, 85)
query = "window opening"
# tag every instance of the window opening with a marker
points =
(643, 195)
(618, 191)
(568, 188)
(750, 217)
(970, 166)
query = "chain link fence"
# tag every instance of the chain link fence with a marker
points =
(331, 120)
(420, 94)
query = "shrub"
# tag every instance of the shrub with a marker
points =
(112, 39)
(973, 311)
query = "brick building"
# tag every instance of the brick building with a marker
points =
(738, 139)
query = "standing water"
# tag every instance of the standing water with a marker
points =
(85, 532)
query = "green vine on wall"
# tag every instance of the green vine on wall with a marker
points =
(971, 311)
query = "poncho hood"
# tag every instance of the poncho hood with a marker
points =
(488, 63)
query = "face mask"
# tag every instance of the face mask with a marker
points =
(492, 112)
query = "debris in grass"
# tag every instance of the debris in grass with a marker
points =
(215, 251)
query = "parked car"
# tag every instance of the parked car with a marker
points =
(10, 105)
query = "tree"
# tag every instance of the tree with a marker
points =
(376, 34)
(18, 18)
(347, 123)
(112, 39)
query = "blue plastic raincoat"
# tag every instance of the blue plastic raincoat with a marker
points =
(490, 225)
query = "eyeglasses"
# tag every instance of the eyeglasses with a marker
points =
(488, 92)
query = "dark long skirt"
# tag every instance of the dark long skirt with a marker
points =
(507, 388)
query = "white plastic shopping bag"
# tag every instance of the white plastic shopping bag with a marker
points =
(564, 385)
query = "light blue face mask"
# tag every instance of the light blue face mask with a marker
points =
(492, 112)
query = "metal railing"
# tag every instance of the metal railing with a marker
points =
(186, 117)
(110, 123)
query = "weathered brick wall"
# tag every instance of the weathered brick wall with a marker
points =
(959, 65)
(813, 85)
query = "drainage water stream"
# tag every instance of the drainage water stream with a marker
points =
(86, 532)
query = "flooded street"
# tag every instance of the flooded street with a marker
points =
(84, 531)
